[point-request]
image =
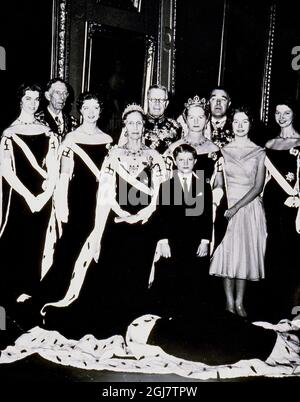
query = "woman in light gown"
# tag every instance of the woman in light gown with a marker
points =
(29, 169)
(281, 200)
(240, 255)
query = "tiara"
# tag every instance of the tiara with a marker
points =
(196, 101)
(133, 107)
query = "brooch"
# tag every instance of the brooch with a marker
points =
(213, 156)
(290, 176)
(294, 151)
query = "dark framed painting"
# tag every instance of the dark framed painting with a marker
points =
(119, 66)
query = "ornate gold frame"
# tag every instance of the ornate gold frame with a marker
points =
(60, 39)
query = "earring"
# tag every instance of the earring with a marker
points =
(125, 133)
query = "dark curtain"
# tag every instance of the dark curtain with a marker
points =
(26, 34)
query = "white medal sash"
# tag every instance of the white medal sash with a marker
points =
(279, 178)
(1, 201)
(29, 155)
(4, 219)
(86, 159)
(293, 199)
(82, 264)
(132, 180)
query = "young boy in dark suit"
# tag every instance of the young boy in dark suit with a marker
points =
(184, 223)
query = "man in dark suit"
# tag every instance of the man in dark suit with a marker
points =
(59, 121)
(184, 223)
(219, 126)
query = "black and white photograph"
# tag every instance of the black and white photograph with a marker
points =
(150, 194)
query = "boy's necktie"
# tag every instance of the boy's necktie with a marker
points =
(185, 189)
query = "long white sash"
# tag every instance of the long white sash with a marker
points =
(82, 264)
(30, 156)
(4, 217)
(51, 236)
(86, 159)
(279, 178)
(120, 169)
(293, 200)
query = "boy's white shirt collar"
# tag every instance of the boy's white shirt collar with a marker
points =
(188, 178)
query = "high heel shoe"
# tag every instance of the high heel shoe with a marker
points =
(240, 310)
(230, 308)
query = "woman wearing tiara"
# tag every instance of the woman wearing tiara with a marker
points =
(105, 295)
(29, 170)
(195, 115)
(81, 157)
(240, 255)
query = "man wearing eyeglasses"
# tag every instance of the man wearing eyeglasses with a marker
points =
(53, 115)
(160, 131)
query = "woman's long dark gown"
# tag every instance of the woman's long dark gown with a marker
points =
(115, 290)
(207, 162)
(21, 245)
(82, 203)
(214, 292)
(283, 242)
